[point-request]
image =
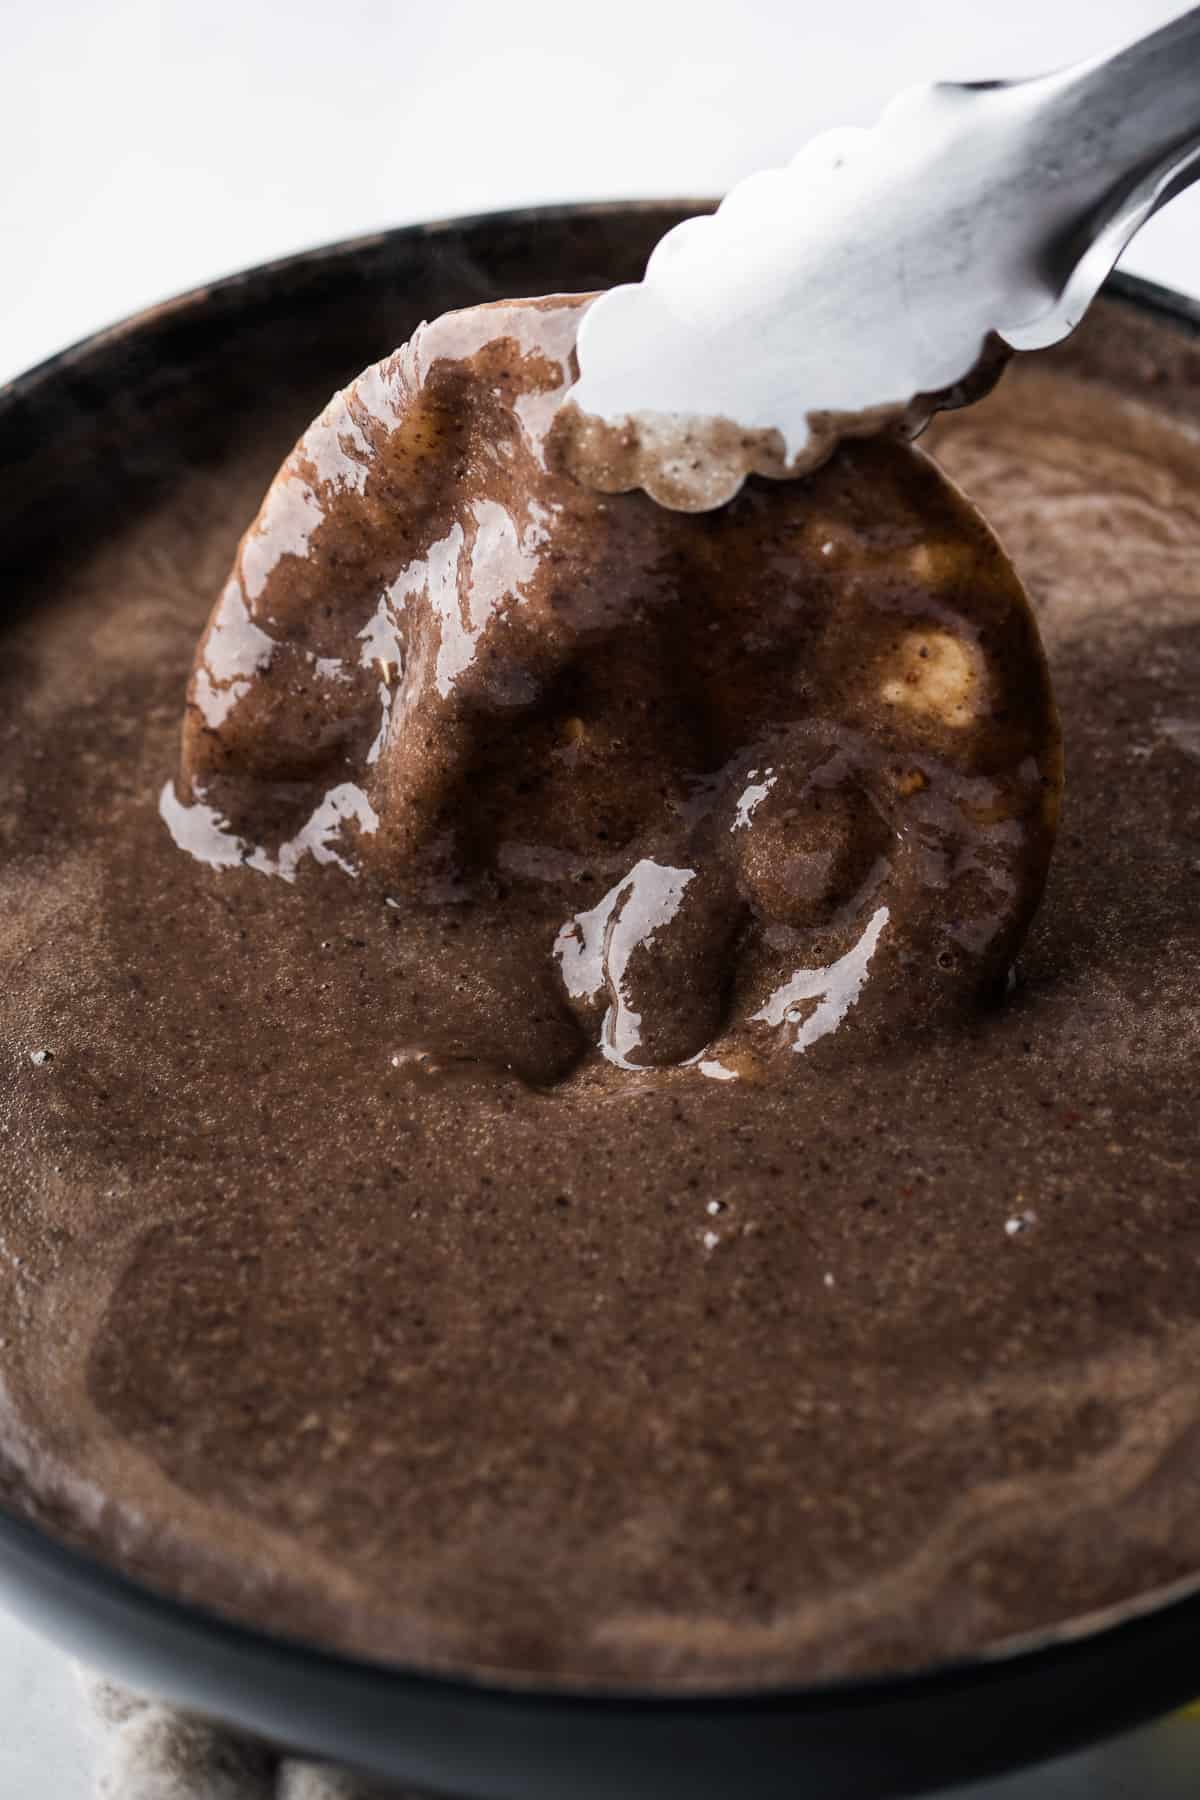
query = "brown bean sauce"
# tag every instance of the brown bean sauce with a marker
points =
(347, 1286)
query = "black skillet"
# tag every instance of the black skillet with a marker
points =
(110, 424)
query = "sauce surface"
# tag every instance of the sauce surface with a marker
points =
(648, 1378)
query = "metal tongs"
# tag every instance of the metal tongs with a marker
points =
(885, 274)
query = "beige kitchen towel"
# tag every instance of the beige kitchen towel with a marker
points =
(149, 1751)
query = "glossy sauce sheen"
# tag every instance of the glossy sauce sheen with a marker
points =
(328, 1308)
(715, 788)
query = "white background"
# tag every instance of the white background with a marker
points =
(151, 145)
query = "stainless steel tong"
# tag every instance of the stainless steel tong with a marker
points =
(871, 275)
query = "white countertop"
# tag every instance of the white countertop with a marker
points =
(45, 1745)
(150, 145)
